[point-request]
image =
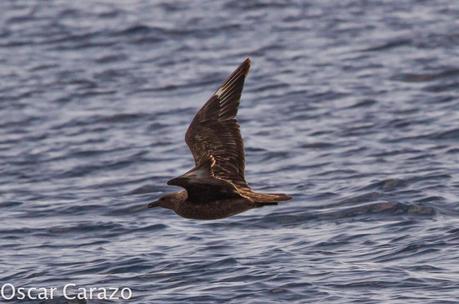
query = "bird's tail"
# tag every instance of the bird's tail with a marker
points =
(263, 199)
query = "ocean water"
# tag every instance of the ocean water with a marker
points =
(351, 107)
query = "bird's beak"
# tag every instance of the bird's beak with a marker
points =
(153, 204)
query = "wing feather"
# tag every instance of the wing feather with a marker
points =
(214, 132)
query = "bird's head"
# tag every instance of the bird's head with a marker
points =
(168, 201)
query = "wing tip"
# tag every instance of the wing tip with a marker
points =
(245, 65)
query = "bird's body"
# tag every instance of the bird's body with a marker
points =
(212, 210)
(216, 188)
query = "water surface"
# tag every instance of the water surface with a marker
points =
(352, 107)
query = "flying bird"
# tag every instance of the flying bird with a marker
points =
(216, 188)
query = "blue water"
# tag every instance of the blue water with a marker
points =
(351, 107)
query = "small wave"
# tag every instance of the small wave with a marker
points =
(390, 184)
(451, 134)
(389, 45)
(10, 204)
(427, 77)
(381, 208)
(363, 104)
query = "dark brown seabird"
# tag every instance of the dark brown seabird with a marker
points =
(216, 188)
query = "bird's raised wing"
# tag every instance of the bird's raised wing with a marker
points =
(213, 136)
